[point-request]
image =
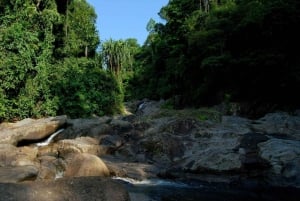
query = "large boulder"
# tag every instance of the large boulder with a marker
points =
(80, 165)
(284, 158)
(93, 127)
(29, 129)
(75, 189)
(280, 123)
(17, 156)
(79, 145)
(50, 167)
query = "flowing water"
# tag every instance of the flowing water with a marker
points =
(168, 190)
(49, 140)
(172, 190)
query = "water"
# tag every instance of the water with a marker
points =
(169, 190)
(49, 140)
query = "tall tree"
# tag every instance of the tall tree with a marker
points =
(116, 55)
(81, 36)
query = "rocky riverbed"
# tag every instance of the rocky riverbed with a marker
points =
(200, 146)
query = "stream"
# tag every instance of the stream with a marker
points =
(190, 190)
(169, 190)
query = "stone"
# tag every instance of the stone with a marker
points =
(50, 167)
(17, 156)
(75, 189)
(80, 165)
(79, 145)
(278, 123)
(85, 127)
(18, 174)
(29, 129)
(284, 158)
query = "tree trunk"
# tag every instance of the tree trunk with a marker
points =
(86, 51)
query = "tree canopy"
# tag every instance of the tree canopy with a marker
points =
(206, 52)
(47, 61)
(211, 49)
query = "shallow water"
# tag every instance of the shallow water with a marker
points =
(168, 190)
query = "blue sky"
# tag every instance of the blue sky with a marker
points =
(122, 19)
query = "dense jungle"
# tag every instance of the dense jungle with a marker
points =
(206, 53)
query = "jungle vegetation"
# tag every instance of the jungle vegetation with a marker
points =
(206, 52)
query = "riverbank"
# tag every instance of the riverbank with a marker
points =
(229, 156)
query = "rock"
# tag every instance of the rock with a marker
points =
(249, 151)
(75, 189)
(85, 127)
(120, 126)
(50, 150)
(284, 158)
(79, 145)
(278, 123)
(148, 108)
(50, 167)
(29, 129)
(135, 170)
(80, 165)
(110, 143)
(18, 174)
(17, 156)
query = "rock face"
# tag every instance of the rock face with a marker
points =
(75, 189)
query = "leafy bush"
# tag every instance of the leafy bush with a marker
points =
(86, 90)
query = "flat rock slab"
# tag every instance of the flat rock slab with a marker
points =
(18, 174)
(29, 129)
(72, 189)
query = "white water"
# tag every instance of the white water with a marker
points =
(48, 140)
(152, 182)
(59, 174)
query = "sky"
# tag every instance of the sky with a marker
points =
(122, 19)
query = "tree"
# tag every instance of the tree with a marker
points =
(81, 37)
(116, 54)
(27, 47)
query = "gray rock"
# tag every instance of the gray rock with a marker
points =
(284, 157)
(85, 127)
(278, 123)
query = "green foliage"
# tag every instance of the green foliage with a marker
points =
(81, 37)
(241, 47)
(48, 62)
(85, 90)
(116, 56)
